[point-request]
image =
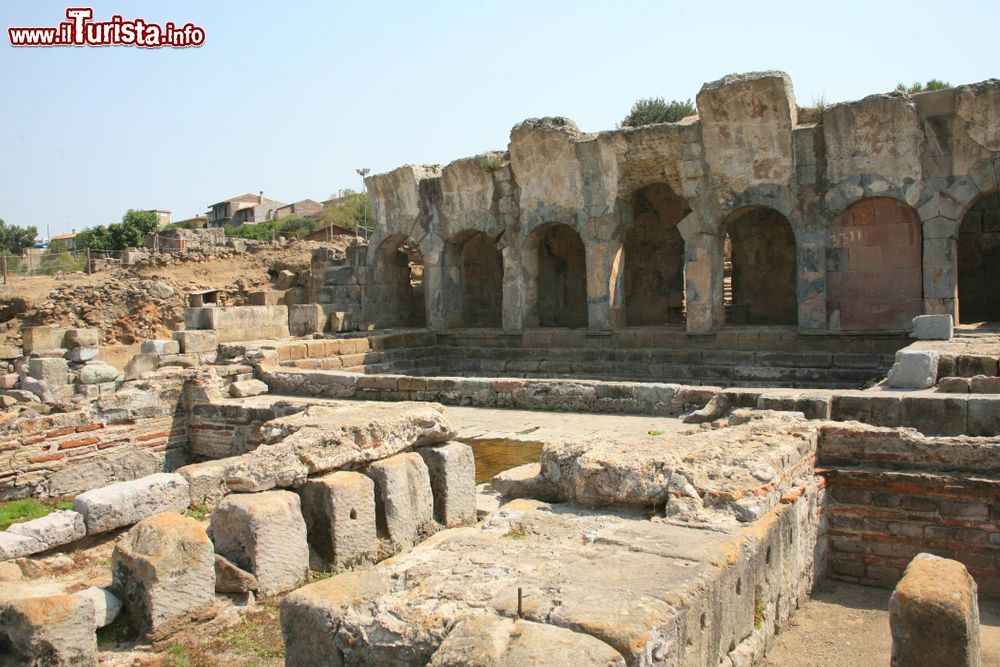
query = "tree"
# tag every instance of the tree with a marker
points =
(656, 110)
(14, 238)
(350, 210)
(129, 233)
(917, 87)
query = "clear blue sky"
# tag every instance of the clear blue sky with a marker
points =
(291, 97)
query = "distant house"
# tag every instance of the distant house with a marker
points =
(162, 217)
(68, 241)
(303, 209)
(246, 209)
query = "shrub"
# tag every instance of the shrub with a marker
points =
(656, 110)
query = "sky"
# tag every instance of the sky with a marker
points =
(292, 97)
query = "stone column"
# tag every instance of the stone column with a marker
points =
(601, 252)
(515, 306)
(703, 277)
(811, 272)
(432, 248)
(940, 268)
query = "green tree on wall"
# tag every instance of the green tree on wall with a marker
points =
(657, 110)
(14, 238)
(129, 233)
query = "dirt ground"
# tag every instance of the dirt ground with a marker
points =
(844, 625)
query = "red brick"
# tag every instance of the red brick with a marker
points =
(60, 432)
(89, 427)
(153, 436)
(113, 443)
(46, 458)
(31, 441)
(70, 444)
(154, 443)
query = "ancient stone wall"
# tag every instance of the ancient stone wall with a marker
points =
(876, 187)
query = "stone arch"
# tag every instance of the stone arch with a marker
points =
(979, 260)
(397, 284)
(874, 276)
(555, 259)
(474, 266)
(651, 262)
(763, 268)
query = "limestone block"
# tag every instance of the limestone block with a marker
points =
(934, 615)
(54, 631)
(264, 534)
(985, 384)
(525, 481)
(206, 481)
(82, 338)
(268, 467)
(285, 279)
(160, 347)
(245, 388)
(164, 569)
(271, 297)
(403, 498)
(42, 534)
(339, 321)
(141, 363)
(10, 352)
(8, 380)
(983, 417)
(494, 641)
(82, 354)
(970, 365)
(106, 605)
(932, 327)
(196, 341)
(37, 388)
(52, 371)
(914, 369)
(953, 385)
(935, 415)
(126, 503)
(98, 372)
(339, 511)
(305, 319)
(452, 469)
(231, 579)
(40, 339)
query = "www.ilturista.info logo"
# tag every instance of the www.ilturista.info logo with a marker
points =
(79, 30)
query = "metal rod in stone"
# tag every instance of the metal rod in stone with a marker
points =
(520, 612)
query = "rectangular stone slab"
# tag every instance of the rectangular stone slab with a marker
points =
(125, 503)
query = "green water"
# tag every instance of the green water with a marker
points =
(496, 455)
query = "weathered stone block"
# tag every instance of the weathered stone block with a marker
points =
(196, 341)
(264, 534)
(144, 362)
(268, 467)
(10, 352)
(935, 415)
(41, 339)
(984, 416)
(305, 319)
(82, 338)
(403, 498)
(452, 469)
(914, 369)
(53, 631)
(164, 569)
(231, 579)
(934, 615)
(206, 481)
(42, 534)
(98, 372)
(953, 385)
(339, 511)
(245, 388)
(82, 354)
(970, 365)
(106, 605)
(985, 384)
(51, 371)
(126, 503)
(160, 347)
(932, 327)
(525, 481)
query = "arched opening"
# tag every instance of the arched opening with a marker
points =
(874, 275)
(759, 248)
(979, 262)
(398, 284)
(653, 279)
(561, 276)
(475, 264)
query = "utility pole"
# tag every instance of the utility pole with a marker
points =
(364, 171)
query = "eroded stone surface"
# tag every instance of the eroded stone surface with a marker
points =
(452, 469)
(404, 502)
(126, 503)
(56, 630)
(339, 510)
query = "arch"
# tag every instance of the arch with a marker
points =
(557, 264)
(397, 288)
(874, 275)
(760, 268)
(979, 261)
(475, 266)
(652, 271)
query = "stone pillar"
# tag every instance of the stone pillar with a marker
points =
(703, 280)
(520, 292)
(602, 251)
(432, 248)
(941, 276)
(453, 315)
(934, 615)
(811, 271)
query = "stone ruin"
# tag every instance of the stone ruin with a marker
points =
(798, 304)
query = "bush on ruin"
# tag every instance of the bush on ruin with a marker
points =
(657, 110)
